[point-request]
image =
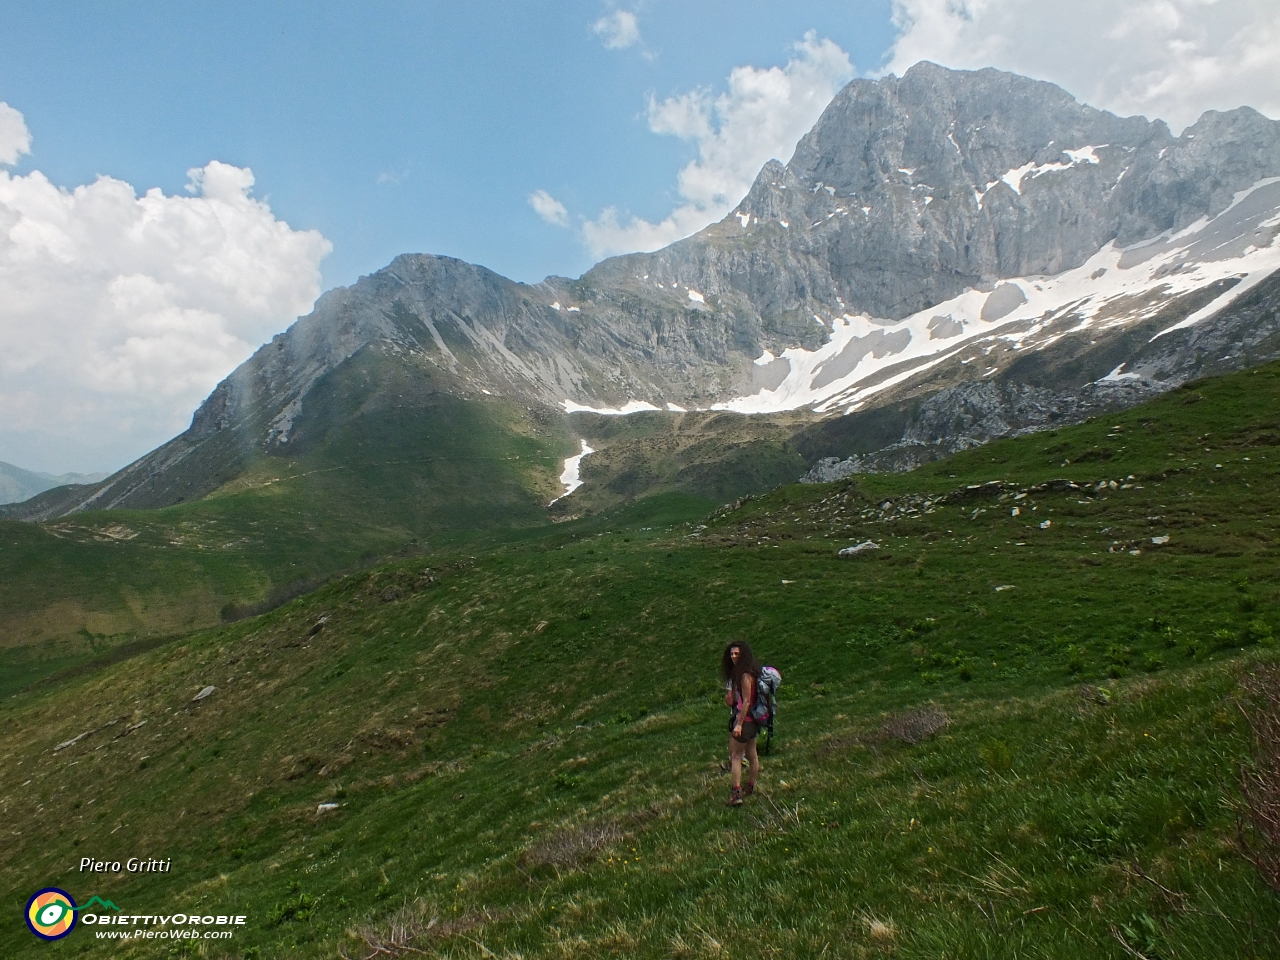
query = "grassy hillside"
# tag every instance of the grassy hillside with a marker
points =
(392, 477)
(380, 463)
(1001, 735)
(713, 455)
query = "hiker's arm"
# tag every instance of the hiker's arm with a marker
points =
(748, 690)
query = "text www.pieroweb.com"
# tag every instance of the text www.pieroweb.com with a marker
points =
(174, 927)
(165, 934)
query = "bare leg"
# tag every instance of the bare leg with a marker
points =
(736, 750)
(754, 758)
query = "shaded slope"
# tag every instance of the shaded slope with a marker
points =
(713, 456)
(396, 466)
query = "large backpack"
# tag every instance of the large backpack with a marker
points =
(766, 704)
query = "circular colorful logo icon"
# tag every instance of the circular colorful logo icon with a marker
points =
(51, 913)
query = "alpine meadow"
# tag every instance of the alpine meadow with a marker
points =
(967, 419)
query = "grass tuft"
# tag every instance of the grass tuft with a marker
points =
(1260, 779)
(572, 846)
(914, 726)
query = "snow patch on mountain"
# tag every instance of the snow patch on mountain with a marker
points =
(1117, 375)
(571, 475)
(631, 406)
(1015, 177)
(1115, 287)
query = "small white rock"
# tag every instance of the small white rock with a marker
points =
(1160, 541)
(206, 692)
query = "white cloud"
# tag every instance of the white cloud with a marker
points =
(618, 30)
(761, 116)
(394, 176)
(119, 313)
(1171, 59)
(15, 139)
(549, 208)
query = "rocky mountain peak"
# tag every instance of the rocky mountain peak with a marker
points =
(951, 128)
(910, 190)
(942, 217)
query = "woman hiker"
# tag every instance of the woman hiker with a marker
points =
(740, 671)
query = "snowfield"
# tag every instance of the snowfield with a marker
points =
(1115, 287)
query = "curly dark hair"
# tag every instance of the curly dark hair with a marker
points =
(747, 662)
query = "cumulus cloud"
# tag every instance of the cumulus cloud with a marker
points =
(119, 313)
(761, 116)
(549, 208)
(15, 140)
(618, 30)
(1171, 59)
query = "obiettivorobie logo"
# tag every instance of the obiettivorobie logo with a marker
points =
(51, 913)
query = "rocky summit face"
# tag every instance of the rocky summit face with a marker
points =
(931, 231)
(946, 212)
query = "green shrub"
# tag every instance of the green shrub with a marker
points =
(1257, 631)
(1224, 638)
(566, 781)
(1118, 656)
(1144, 935)
(997, 755)
(298, 908)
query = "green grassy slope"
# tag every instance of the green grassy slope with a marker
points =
(400, 472)
(715, 456)
(380, 462)
(526, 745)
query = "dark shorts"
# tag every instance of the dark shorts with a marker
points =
(750, 730)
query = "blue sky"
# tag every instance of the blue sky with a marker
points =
(179, 181)
(394, 127)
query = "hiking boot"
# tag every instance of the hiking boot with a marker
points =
(749, 789)
(735, 798)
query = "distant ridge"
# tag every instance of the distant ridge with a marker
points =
(17, 484)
